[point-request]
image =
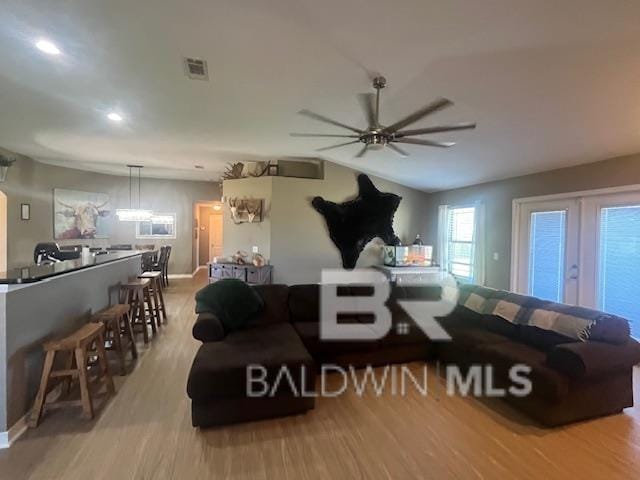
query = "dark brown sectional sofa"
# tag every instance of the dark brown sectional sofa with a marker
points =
(573, 378)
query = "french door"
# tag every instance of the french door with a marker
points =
(548, 250)
(583, 251)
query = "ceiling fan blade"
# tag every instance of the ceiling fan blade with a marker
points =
(397, 149)
(428, 143)
(433, 107)
(442, 128)
(368, 103)
(336, 146)
(322, 135)
(322, 118)
(361, 153)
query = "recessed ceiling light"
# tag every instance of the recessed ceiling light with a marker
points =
(47, 47)
(114, 117)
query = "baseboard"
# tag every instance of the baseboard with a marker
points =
(11, 435)
(187, 275)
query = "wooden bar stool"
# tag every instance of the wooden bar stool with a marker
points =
(156, 292)
(118, 329)
(87, 340)
(137, 295)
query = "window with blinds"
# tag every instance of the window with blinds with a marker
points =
(461, 242)
(619, 263)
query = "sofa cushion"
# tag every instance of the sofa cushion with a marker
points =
(499, 325)
(309, 333)
(275, 298)
(541, 339)
(474, 297)
(220, 368)
(509, 306)
(462, 317)
(304, 303)
(579, 323)
(547, 382)
(471, 338)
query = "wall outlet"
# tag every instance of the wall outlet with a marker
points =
(254, 249)
(496, 256)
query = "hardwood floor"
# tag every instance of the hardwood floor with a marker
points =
(145, 432)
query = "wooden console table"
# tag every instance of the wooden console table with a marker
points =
(247, 273)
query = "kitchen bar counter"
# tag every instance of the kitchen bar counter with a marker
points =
(49, 302)
(35, 273)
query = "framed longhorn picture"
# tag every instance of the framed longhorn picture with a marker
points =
(79, 215)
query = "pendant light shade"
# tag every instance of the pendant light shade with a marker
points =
(134, 214)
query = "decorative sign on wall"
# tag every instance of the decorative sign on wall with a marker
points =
(245, 210)
(79, 214)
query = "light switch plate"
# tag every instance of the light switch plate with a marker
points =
(254, 249)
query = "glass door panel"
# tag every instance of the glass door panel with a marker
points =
(547, 239)
(548, 250)
(618, 278)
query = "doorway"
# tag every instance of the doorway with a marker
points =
(209, 231)
(215, 236)
(582, 249)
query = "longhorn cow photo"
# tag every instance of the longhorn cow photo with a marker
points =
(80, 215)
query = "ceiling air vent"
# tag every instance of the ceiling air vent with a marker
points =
(196, 68)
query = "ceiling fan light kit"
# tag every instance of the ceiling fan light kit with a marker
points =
(377, 136)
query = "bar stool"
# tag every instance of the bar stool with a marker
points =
(136, 294)
(88, 339)
(117, 324)
(156, 293)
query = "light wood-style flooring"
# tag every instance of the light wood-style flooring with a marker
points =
(145, 432)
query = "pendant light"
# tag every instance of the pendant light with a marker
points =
(134, 214)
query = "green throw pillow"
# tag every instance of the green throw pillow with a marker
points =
(231, 300)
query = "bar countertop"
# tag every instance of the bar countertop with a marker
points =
(36, 273)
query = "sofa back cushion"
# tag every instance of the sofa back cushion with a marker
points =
(474, 297)
(540, 323)
(579, 323)
(276, 308)
(304, 303)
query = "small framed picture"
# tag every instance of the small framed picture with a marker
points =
(25, 211)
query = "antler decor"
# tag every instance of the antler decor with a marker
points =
(233, 171)
(245, 210)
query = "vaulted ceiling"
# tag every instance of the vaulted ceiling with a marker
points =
(549, 83)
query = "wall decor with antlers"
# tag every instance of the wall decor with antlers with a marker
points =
(245, 210)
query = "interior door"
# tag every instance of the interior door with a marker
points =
(548, 261)
(215, 236)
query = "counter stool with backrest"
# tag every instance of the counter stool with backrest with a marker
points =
(156, 293)
(136, 293)
(87, 340)
(118, 330)
(162, 264)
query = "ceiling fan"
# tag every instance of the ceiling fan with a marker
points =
(377, 136)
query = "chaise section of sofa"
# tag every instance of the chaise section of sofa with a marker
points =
(218, 381)
(573, 359)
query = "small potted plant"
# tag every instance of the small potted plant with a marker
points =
(5, 163)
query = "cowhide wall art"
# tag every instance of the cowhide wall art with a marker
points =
(355, 223)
